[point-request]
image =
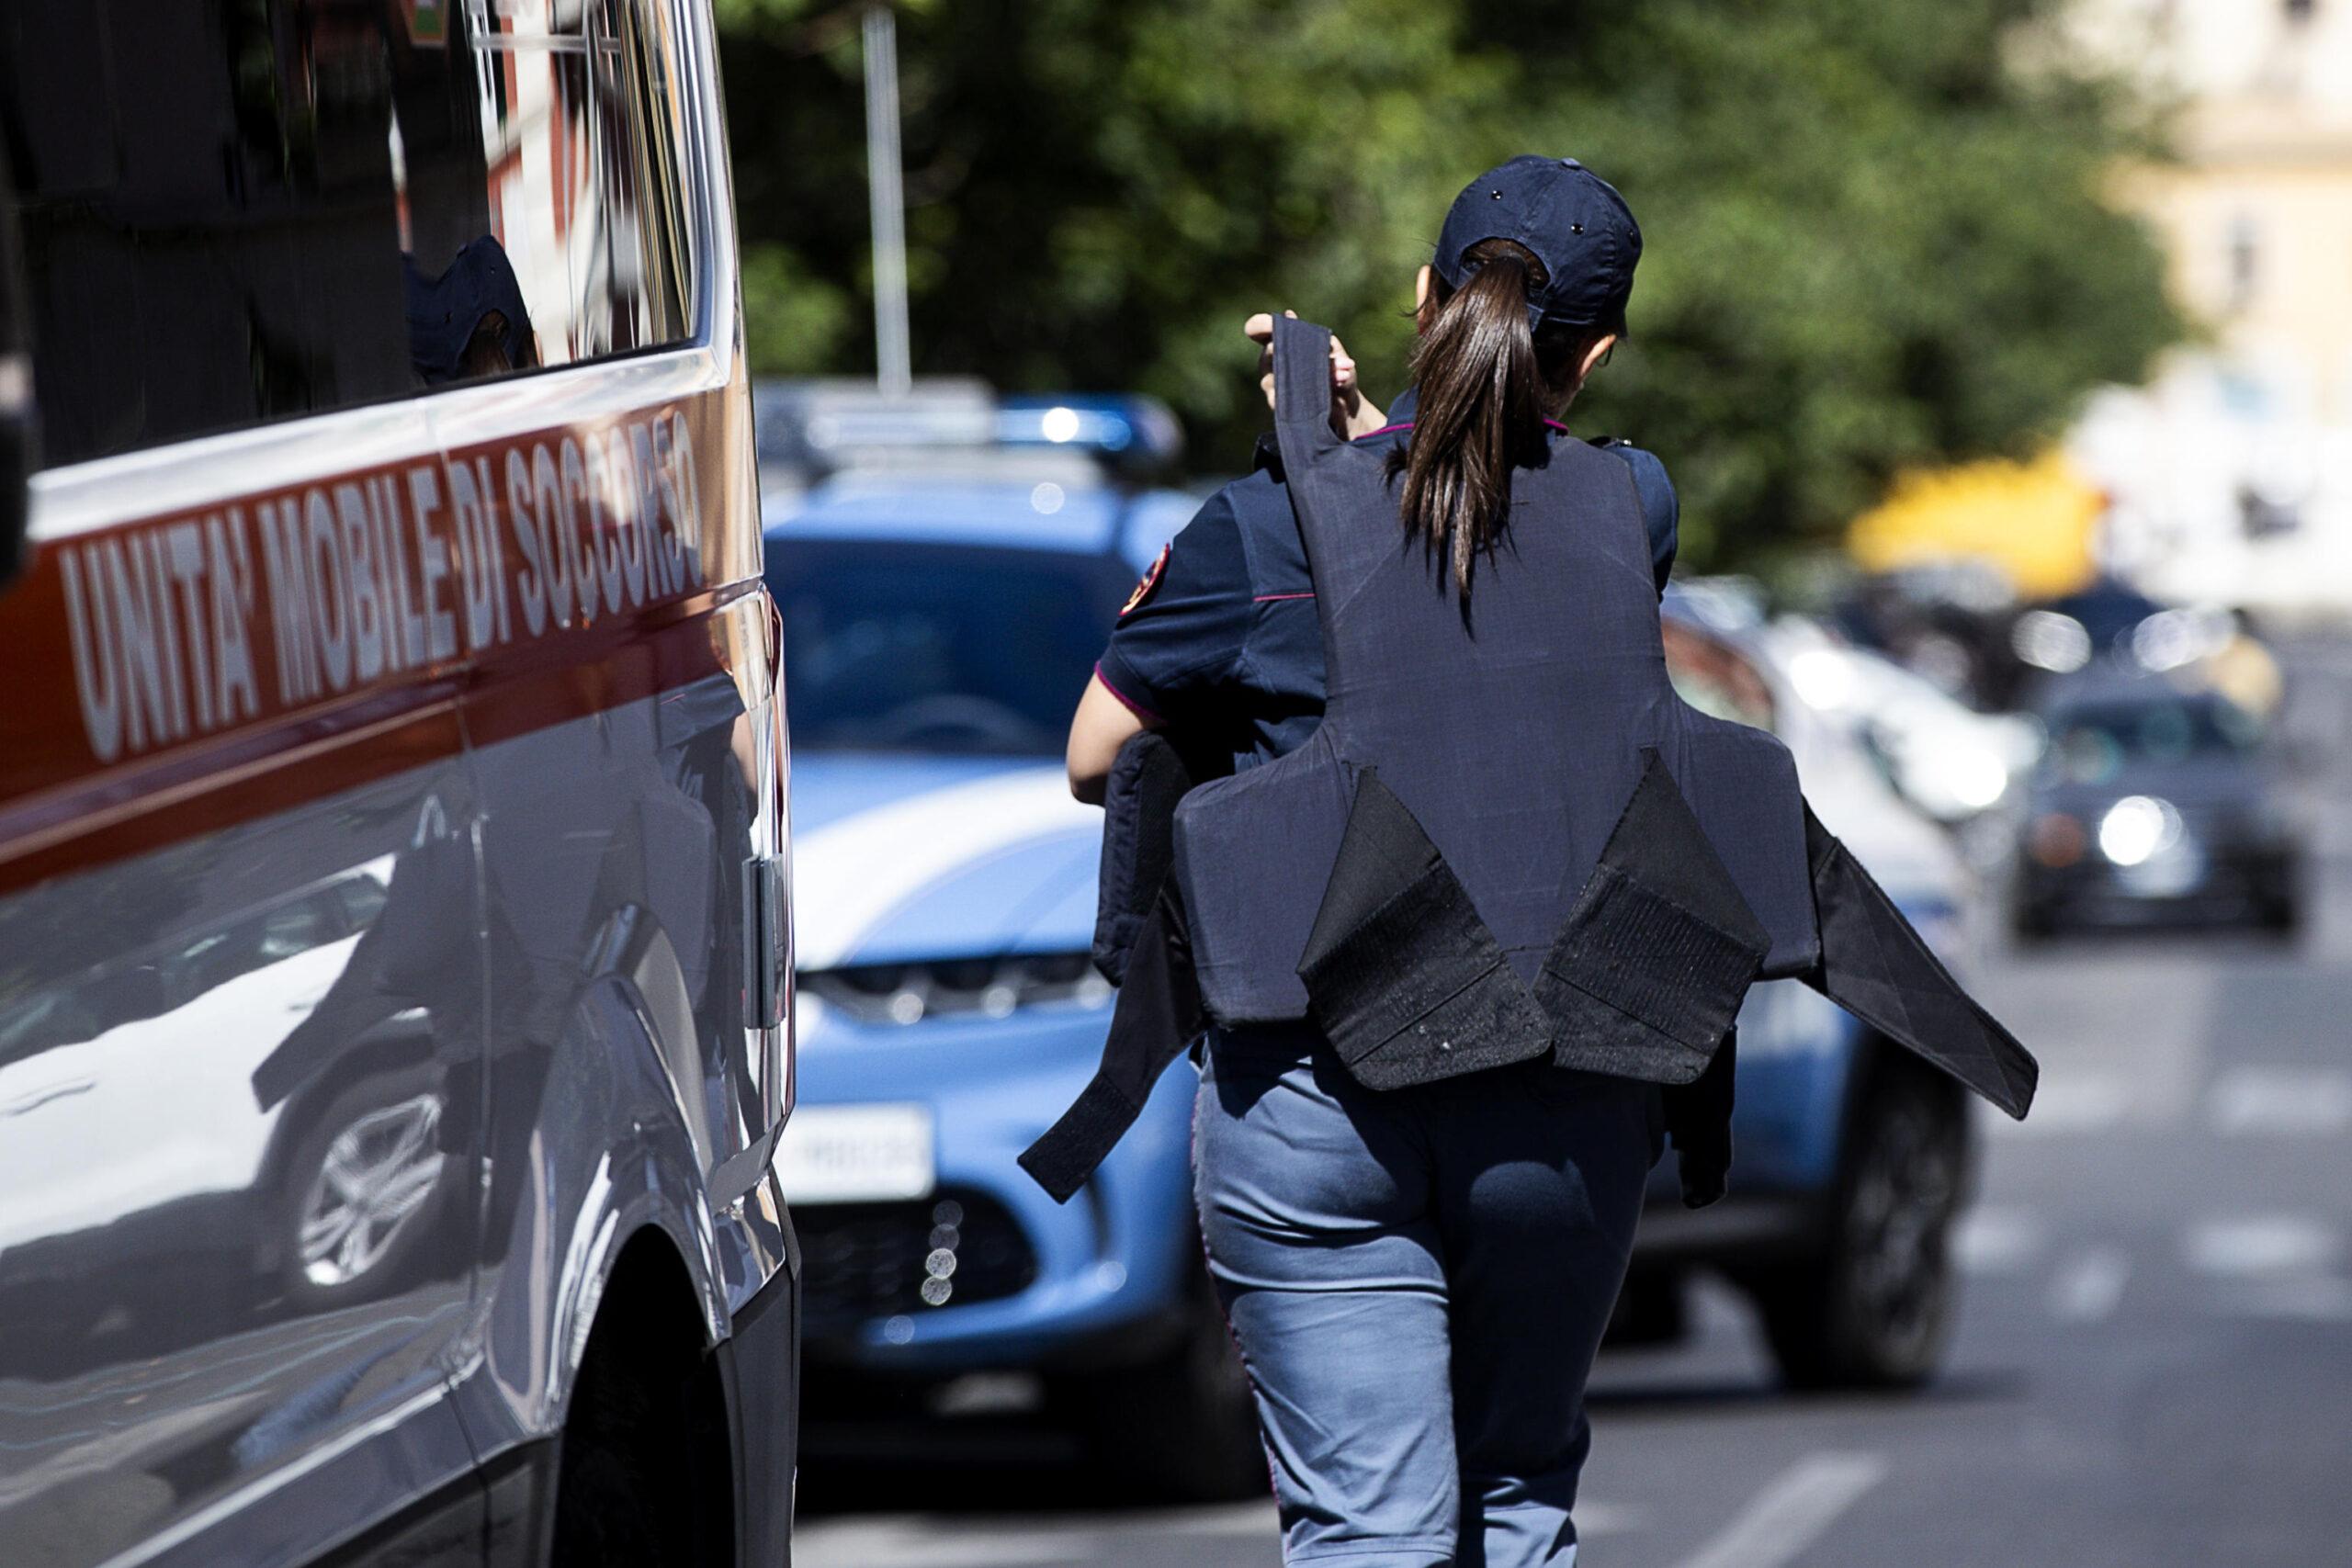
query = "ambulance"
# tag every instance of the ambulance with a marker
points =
(395, 940)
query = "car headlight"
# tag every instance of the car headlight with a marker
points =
(986, 987)
(2049, 640)
(2137, 829)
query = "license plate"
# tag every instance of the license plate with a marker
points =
(852, 1154)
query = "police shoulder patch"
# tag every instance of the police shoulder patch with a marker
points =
(1149, 584)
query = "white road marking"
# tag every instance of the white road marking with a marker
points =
(2281, 1100)
(988, 1393)
(908, 1541)
(878, 1543)
(904, 1542)
(1216, 1519)
(2126, 1036)
(1996, 1241)
(1792, 1511)
(2090, 1287)
(2316, 1298)
(1717, 1308)
(2083, 1102)
(1594, 1519)
(2262, 1245)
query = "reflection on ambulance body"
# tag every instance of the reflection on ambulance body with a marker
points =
(208, 1133)
(393, 942)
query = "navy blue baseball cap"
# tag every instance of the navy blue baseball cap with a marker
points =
(1574, 220)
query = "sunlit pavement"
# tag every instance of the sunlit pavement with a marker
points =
(2154, 1361)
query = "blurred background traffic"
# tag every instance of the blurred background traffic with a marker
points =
(2001, 353)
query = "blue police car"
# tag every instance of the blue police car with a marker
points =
(947, 568)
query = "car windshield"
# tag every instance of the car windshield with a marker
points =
(954, 648)
(2090, 743)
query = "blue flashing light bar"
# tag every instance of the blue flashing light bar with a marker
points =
(827, 426)
(1132, 428)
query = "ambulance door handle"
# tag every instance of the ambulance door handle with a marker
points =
(763, 906)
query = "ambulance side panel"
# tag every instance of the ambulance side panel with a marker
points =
(242, 1026)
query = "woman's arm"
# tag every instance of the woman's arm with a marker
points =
(1211, 599)
(1105, 722)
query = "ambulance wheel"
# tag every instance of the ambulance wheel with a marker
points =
(1872, 1308)
(1180, 1428)
(644, 1470)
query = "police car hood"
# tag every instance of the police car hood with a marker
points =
(897, 858)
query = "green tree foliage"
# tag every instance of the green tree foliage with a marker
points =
(1874, 239)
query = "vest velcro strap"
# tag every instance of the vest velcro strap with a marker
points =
(1076, 1146)
(1875, 965)
(1698, 1123)
(1158, 1015)
(1147, 778)
(1402, 976)
(1640, 987)
(1491, 1022)
(1648, 972)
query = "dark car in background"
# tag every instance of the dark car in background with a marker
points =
(2152, 803)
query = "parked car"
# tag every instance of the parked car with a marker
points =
(392, 959)
(1851, 1159)
(2153, 803)
(1947, 760)
(1951, 623)
(944, 588)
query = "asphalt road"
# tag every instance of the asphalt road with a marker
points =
(2153, 1365)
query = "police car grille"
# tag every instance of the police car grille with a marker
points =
(863, 1261)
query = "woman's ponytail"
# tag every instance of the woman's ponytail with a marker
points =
(1486, 387)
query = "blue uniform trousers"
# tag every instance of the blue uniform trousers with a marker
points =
(1418, 1279)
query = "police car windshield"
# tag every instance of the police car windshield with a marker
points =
(946, 648)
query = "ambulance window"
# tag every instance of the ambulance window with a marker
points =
(582, 175)
(208, 213)
(245, 212)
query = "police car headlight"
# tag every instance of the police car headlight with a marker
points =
(881, 994)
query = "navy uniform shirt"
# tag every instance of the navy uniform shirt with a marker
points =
(1220, 641)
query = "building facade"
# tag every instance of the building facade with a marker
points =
(2231, 474)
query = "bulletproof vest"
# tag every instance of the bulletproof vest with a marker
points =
(1506, 814)
(1509, 838)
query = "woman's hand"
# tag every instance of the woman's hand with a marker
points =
(1352, 413)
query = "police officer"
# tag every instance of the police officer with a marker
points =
(1418, 1279)
(1477, 894)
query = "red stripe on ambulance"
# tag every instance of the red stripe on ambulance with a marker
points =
(167, 654)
